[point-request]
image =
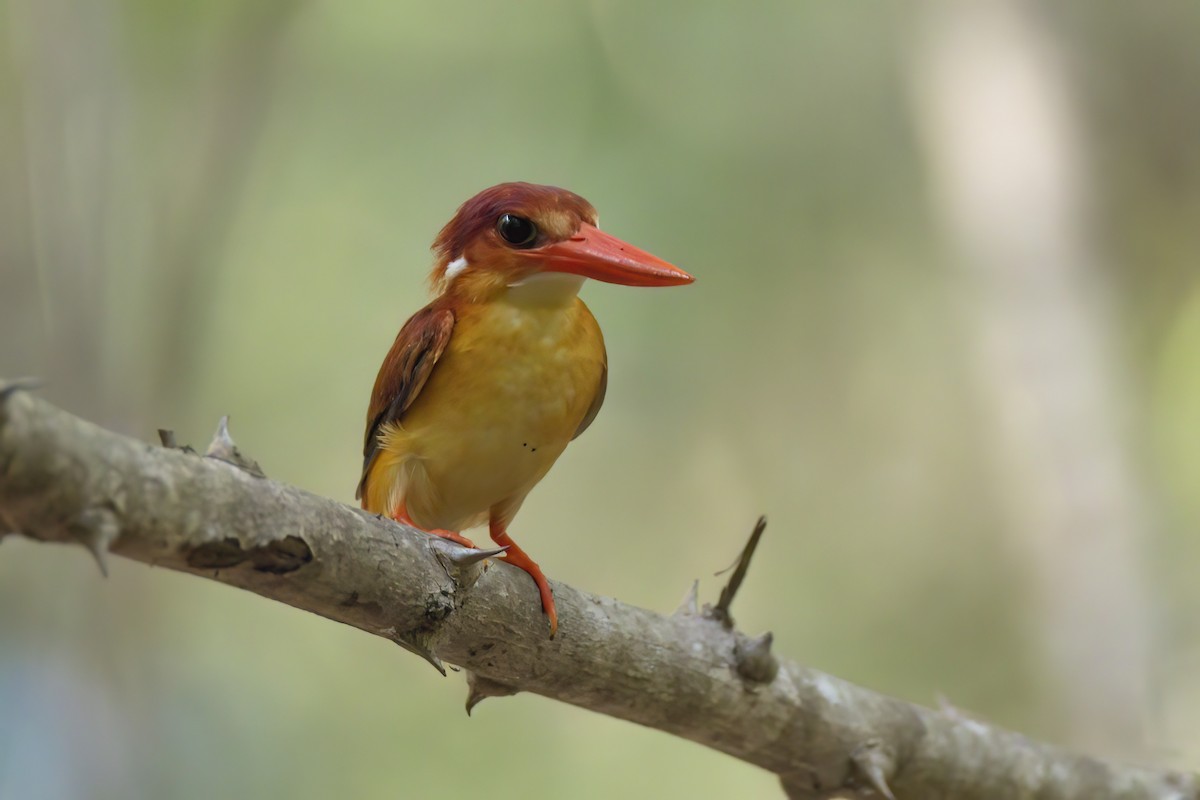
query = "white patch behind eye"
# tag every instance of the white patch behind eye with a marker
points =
(456, 267)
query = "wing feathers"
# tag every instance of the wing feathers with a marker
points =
(407, 367)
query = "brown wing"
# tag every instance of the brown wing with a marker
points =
(403, 374)
(597, 401)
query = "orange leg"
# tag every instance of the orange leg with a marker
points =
(401, 515)
(518, 558)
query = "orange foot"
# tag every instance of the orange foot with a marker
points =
(518, 558)
(401, 515)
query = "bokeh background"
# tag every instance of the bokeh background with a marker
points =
(945, 333)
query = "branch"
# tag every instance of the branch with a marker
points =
(63, 479)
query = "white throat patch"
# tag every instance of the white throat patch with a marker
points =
(456, 267)
(546, 288)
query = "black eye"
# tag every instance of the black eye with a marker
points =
(517, 231)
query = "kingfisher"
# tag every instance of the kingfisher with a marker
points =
(483, 388)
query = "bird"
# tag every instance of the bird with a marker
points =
(485, 386)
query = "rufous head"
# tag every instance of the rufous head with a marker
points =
(509, 233)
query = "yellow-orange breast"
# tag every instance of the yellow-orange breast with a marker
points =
(507, 395)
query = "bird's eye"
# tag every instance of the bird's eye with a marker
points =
(517, 231)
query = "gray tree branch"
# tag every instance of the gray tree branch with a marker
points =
(63, 479)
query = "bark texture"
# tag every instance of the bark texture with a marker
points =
(691, 674)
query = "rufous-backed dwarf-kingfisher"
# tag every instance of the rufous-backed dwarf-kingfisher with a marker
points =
(485, 386)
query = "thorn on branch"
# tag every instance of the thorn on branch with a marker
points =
(480, 688)
(949, 709)
(463, 564)
(798, 786)
(754, 659)
(166, 437)
(222, 448)
(415, 643)
(97, 529)
(7, 526)
(721, 611)
(875, 764)
(690, 607)
(8, 388)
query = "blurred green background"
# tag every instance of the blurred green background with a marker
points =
(945, 333)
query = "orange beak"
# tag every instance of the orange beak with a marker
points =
(595, 254)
